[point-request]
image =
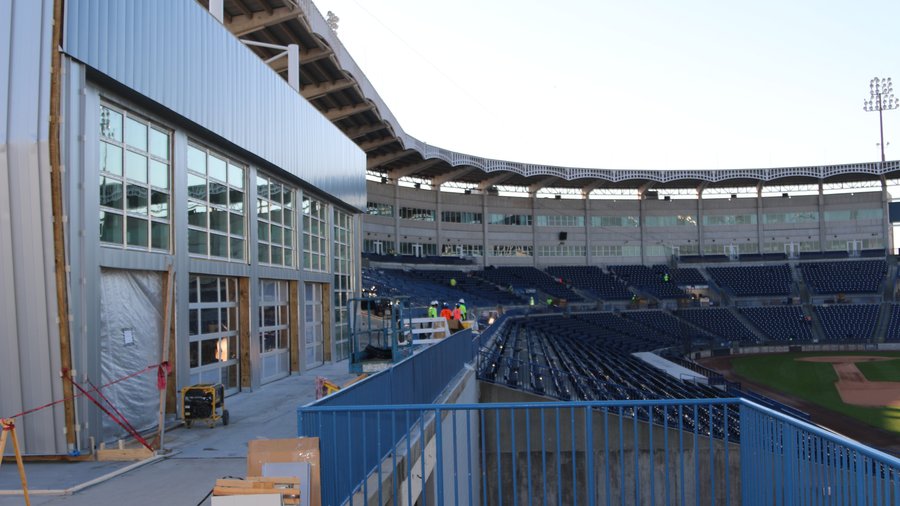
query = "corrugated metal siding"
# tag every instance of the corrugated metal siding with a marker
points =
(174, 52)
(29, 336)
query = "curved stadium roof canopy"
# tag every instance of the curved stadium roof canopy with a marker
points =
(335, 85)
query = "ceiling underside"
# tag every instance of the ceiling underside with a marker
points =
(331, 81)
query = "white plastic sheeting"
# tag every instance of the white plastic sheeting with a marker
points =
(130, 325)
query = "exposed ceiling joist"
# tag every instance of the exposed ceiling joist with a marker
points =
(307, 56)
(377, 143)
(450, 176)
(591, 186)
(377, 161)
(412, 169)
(314, 91)
(339, 113)
(252, 22)
(364, 130)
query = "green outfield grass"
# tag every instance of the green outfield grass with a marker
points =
(815, 382)
(889, 370)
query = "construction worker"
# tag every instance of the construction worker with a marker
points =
(456, 314)
(462, 309)
(452, 282)
(531, 301)
(432, 309)
(666, 277)
(446, 313)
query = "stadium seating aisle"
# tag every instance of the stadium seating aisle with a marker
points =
(593, 280)
(718, 321)
(656, 280)
(521, 278)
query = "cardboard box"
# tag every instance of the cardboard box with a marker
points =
(302, 449)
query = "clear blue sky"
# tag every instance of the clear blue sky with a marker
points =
(622, 84)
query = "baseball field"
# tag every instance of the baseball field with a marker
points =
(864, 385)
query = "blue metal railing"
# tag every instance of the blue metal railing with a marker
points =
(589, 453)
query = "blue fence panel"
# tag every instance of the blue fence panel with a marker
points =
(606, 452)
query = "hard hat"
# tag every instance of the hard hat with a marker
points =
(434, 303)
(446, 305)
(461, 301)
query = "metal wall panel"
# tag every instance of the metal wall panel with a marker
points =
(175, 53)
(29, 335)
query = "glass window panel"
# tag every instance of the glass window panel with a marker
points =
(136, 134)
(197, 242)
(216, 167)
(237, 249)
(111, 225)
(159, 204)
(288, 257)
(237, 224)
(193, 291)
(159, 144)
(208, 350)
(262, 187)
(209, 289)
(197, 214)
(288, 238)
(196, 187)
(262, 209)
(218, 245)
(268, 316)
(268, 341)
(137, 232)
(277, 258)
(218, 194)
(110, 158)
(236, 199)
(275, 213)
(159, 174)
(236, 176)
(288, 216)
(218, 220)
(111, 193)
(262, 251)
(262, 231)
(136, 166)
(195, 354)
(110, 123)
(159, 235)
(209, 317)
(137, 199)
(193, 321)
(196, 160)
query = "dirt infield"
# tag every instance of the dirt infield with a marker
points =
(853, 386)
(838, 422)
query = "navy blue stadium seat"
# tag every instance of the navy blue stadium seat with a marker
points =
(754, 281)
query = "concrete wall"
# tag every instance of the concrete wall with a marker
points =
(631, 468)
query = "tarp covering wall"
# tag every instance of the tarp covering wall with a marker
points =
(130, 324)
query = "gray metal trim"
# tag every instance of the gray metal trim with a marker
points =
(155, 47)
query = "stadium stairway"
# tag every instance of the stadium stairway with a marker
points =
(884, 319)
(891, 276)
(714, 287)
(818, 331)
(760, 336)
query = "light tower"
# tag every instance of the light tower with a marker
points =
(881, 99)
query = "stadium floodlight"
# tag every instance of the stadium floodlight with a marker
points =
(881, 99)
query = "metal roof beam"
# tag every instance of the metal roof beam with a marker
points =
(255, 21)
(450, 176)
(646, 186)
(499, 178)
(591, 186)
(387, 158)
(542, 183)
(314, 91)
(339, 113)
(409, 170)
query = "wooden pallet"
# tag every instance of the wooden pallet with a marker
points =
(289, 488)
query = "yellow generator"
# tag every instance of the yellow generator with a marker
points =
(199, 403)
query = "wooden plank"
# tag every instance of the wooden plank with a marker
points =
(244, 325)
(294, 324)
(123, 455)
(58, 212)
(168, 286)
(171, 384)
